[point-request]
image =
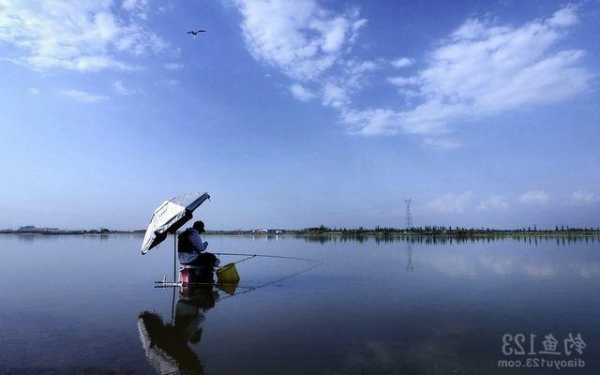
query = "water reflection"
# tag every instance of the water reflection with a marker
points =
(534, 241)
(560, 239)
(409, 254)
(503, 262)
(169, 346)
(373, 307)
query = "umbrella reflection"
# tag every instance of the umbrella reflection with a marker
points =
(168, 346)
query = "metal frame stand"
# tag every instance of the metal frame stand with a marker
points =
(175, 282)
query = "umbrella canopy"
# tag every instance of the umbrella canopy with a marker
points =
(170, 216)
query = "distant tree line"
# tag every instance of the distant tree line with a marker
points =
(529, 239)
(456, 231)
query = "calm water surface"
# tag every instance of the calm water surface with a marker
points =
(86, 304)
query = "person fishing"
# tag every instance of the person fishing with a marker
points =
(197, 264)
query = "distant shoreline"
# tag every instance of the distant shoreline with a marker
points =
(441, 232)
(70, 232)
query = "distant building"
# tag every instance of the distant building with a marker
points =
(27, 228)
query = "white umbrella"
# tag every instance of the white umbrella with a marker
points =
(170, 216)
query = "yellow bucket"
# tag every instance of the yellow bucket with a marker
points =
(228, 274)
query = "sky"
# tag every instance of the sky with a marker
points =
(300, 113)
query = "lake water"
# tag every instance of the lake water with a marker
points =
(72, 304)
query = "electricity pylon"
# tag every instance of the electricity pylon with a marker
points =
(408, 213)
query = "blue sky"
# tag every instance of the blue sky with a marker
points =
(300, 113)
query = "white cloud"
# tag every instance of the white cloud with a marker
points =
(423, 120)
(451, 203)
(479, 70)
(301, 38)
(584, 198)
(337, 90)
(404, 81)
(482, 69)
(165, 7)
(133, 4)
(495, 202)
(335, 95)
(136, 7)
(173, 66)
(85, 35)
(33, 90)
(402, 62)
(377, 117)
(310, 44)
(539, 197)
(83, 96)
(301, 93)
(564, 17)
(120, 89)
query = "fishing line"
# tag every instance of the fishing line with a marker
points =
(287, 277)
(245, 259)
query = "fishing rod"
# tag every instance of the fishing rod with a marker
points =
(267, 256)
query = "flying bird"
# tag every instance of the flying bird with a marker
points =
(196, 32)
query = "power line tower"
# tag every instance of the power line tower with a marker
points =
(408, 214)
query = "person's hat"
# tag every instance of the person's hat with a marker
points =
(199, 226)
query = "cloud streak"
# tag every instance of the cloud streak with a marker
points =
(402, 62)
(495, 202)
(121, 89)
(451, 203)
(584, 198)
(83, 96)
(535, 197)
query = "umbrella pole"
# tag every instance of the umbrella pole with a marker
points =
(175, 257)
(173, 307)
